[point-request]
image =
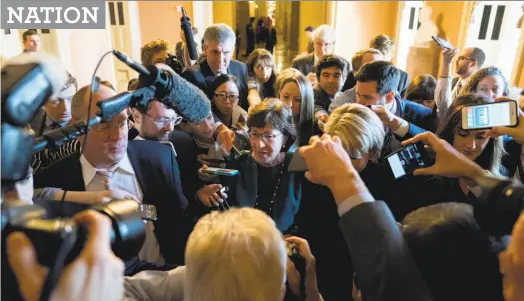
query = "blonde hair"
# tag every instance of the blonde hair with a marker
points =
(359, 129)
(356, 60)
(148, 50)
(235, 255)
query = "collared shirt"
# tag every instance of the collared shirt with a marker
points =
(124, 179)
(49, 123)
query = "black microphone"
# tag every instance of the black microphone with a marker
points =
(56, 138)
(177, 93)
(166, 86)
(185, 23)
(130, 62)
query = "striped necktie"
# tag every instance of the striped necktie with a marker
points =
(106, 174)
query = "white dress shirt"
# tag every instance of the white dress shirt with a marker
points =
(124, 179)
(444, 96)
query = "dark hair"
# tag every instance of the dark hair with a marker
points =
(478, 55)
(452, 253)
(522, 92)
(219, 80)
(274, 112)
(328, 61)
(251, 19)
(491, 157)
(310, 28)
(133, 84)
(71, 81)
(28, 33)
(422, 88)
(383, 73)
(265, 57)
(471, 86)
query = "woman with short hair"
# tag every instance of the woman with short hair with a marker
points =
(262, 182)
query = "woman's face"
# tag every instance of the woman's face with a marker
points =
(262, 72)
(226, 97)
(470, 143)
(491, 86)
(290, 95)
(266, 144)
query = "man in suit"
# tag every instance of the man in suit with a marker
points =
(386, 45)
(377, 87)
(145, 169)
(330, 72)
(384, 273)
(219, 46)
(324, 39)
(56, 112)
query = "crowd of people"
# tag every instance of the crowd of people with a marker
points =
(418, 241)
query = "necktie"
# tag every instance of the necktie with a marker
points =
(106, 174)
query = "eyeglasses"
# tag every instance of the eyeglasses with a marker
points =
(224, 96)
(463, 58)
(106, 127)
(265, 137)
(164, 121)
(327, 45)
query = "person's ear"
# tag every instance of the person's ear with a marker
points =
(137, 116)
(390, 96)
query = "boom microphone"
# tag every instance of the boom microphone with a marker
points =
(28, 81)
(185, 23)
(177, 93)
(130, 62)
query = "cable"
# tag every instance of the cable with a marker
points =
(91, 90)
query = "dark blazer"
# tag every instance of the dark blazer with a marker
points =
(511, 160)
(243, 189)
(381, 259)
(322, 101)
(186, 157)
(420, 118)
(158, 175)
(304, 63)
(200, 74)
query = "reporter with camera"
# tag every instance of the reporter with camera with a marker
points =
(96, 274)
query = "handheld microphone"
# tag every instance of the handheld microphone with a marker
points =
(185, 23)
(130, 62)
(28, 81)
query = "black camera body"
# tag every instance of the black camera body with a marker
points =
(59, 241)
(174, 64)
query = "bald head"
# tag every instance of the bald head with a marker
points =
(80, 101)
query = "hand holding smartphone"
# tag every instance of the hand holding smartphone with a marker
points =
(220, 171)
(486, 116)
(406, 160)
(444, 44)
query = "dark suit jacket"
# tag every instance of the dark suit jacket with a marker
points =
(511, 160)
(381, 259)
(420, 118)
(201, 75)
(306, 63)
(187, 161)
(159, 178)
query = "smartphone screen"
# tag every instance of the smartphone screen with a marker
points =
(407, 159)
(489, 115)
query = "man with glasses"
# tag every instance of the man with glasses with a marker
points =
(147, 170)
(324, 39)
(154, 122)
(468, 62)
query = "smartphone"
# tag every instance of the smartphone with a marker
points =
(444, 44)
(486, 116)
(297, 164)
(220, 171)
(404, 161)
(147, 212)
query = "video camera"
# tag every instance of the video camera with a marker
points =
(499, 206)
